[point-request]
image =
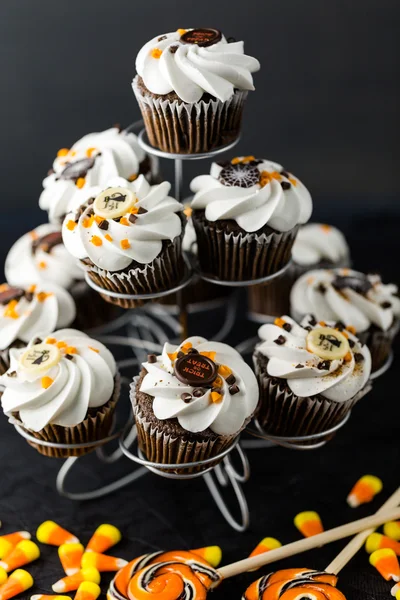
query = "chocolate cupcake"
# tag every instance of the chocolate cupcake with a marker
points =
(128, 238)
(92, 161)
(317, 246)
(246, 215)
(191, 402)
(191, 86)
(310, 375)
(40, 258)
(24, 313)
(361, 302)
(62, 389)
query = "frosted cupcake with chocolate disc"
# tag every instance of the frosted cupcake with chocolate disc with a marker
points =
(129, 238)
(317, 246)
(362, 302)
(246, 214)
(191, 402)
(25, 313)
(191, 86)
(92, 160)
(62, 389)
(310, 375)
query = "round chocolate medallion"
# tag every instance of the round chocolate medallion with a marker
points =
(40, 357)
(201, 37)
(114, 202)
(327, 343)
(359, 284)
(47, 242)
(10, 293)
(77, 169)
(195, 370)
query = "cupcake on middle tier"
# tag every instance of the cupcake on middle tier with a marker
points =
(310, 375)
(191, 402)
(129, 239)
(246, 215)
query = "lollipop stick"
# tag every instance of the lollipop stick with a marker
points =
(357, 542)
(338, 533)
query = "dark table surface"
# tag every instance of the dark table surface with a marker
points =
(156, 513)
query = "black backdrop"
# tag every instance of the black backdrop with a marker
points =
(326, 106)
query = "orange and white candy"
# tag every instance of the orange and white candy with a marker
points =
(364, 490)
(53, 534)
(22, 554)
(395, 591)
(72, 582)
(49, 597)
(308, 523)
(377, 541)
(102, 562)
(386, 563)
(3, 575)
(212, 554)
(88, 591)
(392, 530)
(8, 541)
(104, 538)
(70, 557)
(266, 545)
(18, 582)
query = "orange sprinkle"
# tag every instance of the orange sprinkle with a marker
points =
(322, 323)
(42, 296)
(132, 177)
(10, 310)
(90, 151)
(279, 322)
(348, 357)
(98, 219)
(224, 371)
(276, 175)
(3, 287)
(61, 344)
(63, 152)
(71, 225)
(156, 53)
(217, 382)
(181, 31)
(134, 210)
(236, 160)
(351, 329)
(188, 211)
(42, 265)
(125, 244)
(216, 397)
(326, 228)
(33, 235)
(124, 221)
(71, 350)
(345, 271)
(108, 237)
(32, 288)
(172, 356)
(209, 354)
(187, 346)
(51, 340)
(46, 382)
(94, 349)
(293, 181)
(72, 152)
(310, 280)
(96, 241)
(80, 182)
(88, 221)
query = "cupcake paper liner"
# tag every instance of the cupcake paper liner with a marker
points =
(96, 426)
(163, 273)
(241, 257)
(282, 413)
(379, 343)
(162, 447)
(182, 128)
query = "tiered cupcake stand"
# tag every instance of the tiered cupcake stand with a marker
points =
(145, 330)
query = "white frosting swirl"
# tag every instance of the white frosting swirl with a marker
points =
(39, 312)
(120, 244)
(317, 242)
(316, 293)
(24, 267)
(338, 380)
(225, 417)
(253, 207)
(190, 70)
(114, 153)
(86, 381)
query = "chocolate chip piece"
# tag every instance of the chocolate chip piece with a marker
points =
(351, 343)
(173, 48)
(198, 392)
(117, 219)
(151, 358)
(287, 327)
(358, 357)
(103, 225)
(321, 288)
(186, 397)
(280, 340)
(234, 389)
(324, 365)
(312, 320)
(37, 340)
(11, 293)
(12, 374)
(223, 163)
(69, 356)
(192, 351)
(90, 212)
(180, 354)
(77, 169)
(239, 175)
(299, 366)
(28, 296)
(132, 218)
(231, 39)
(201, 37)
(161, 38)
(195, 369)
(142, 211)
(340, 325)
(286, 185)
(285, 174)
(386, 304)
(90, 201)
(231, 379)
(218, 390)
(308, 328)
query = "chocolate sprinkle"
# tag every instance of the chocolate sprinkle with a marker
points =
(180, 354)
(132, 218)
(231, 379)
(151, 358)
(90, 201)
(312, 320)
(325, 364)
(173, 48)
(299, 366)
(386, 304)
(192, 351)
(280, 340)
(234, 389)
(286, 185)
(12, 374)
(321, 288)
(69, 356)
(103, 225)
(358, 357)
(287, 327)
(28, 296)
(285, 174)
(351, 343)
(186, 397)
(198, 392)
(340, 325)
(161, 38)
(37, 340)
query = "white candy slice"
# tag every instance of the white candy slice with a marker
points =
(114, 202)
(39, 358)
(327, 343)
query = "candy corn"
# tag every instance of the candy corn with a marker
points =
(7, 542)
(18, 582)
(54, 535)
(104, 538)
(392, 530)
(395, 591)
(24, 553)
(69, 584)
(88, 591)
(364, 490)
(70, 557)
(212, 554)
(265, 545)
(308, 523)
(377, 541)
(102, 562)
(46, 597)
(3, 576)
(386, 563)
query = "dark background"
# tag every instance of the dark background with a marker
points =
(326, 107)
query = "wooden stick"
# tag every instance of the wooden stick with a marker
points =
(358, 541)
(255, 562)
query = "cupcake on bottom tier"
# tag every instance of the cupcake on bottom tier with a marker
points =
(24, 313)
(62, 389)
(317, 246)
(362, 302)
(310, 375)
(191, 402)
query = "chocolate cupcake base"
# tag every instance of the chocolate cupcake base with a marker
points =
(96, 426)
